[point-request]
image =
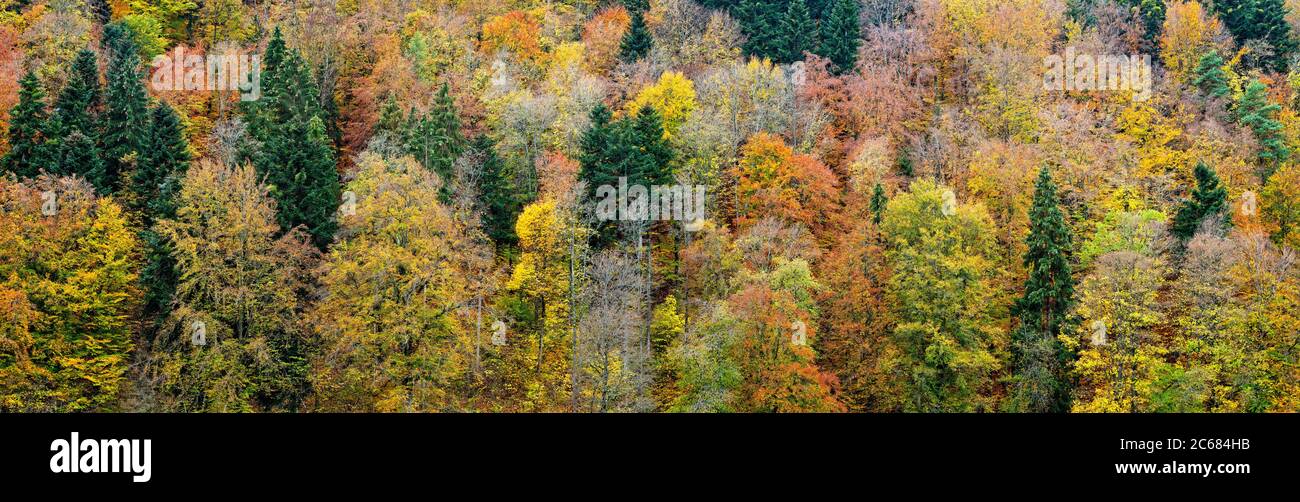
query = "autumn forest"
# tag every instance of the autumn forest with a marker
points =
(1043, 206)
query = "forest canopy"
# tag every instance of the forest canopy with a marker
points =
(446, 205)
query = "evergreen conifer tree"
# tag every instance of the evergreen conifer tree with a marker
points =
(1257, 113)
(760, 21)
(126, 112)
(798, 33)
(434, 139)
(162, 165)
(636, 42)
(1210, 78)
(841, 35)
(1039, 383)
(80, 98)
(28, 152)
(1209, 198)
(1263, 21)
(496, 194)
(78, 154)
(297, 157)
(878, 201)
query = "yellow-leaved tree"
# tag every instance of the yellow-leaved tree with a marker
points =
(392, 324)
(67, 284)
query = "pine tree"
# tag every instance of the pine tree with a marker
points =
(496, 194)
(390, 119)
(276, 50)
(655, 151)
(78, 154)
(1037, 356)
(162, 165)
(1153, 17)
(80, 98)
(841, 35)
(435, 139)
(304, 179)
(798, 33)
(760, 21)
(158, 276)
(594, 149)
(1257, 113)
(632, 148)
(905, 163)
(28, 153)
(1210, 78)
(297, 158)
(114, 35)
(1208, 199)
(258, 113)
(155, 183)
(126, 111)
(596, 163)
(636, 42)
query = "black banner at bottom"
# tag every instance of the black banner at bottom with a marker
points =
(550, 454)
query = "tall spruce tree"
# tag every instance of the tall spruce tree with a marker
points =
(1254, 111)
(299, 165)
(73, 125)
(78, 154)
(594, 148)
(155, 183)
(497, 197)
(633, 148)
(296, 158)
(257, 113)
(79, 101)
(1260, 21)
(1039, 382)
(1208, 199)
(28, 152)
(434, 139)
(878, 202)
(126, 110)
(1210, 78)
(390, 121)
(841, 34)
(656, 153)
(798, 33)
(760, 21)
(636, 42)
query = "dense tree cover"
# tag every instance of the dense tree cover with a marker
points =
(68, 292)
(898, 214)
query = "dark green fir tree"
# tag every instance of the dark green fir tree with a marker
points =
(1210, 78)
(636, 42)
(1255, 112)
(125, 119)
(496, 192)
(798, 33)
